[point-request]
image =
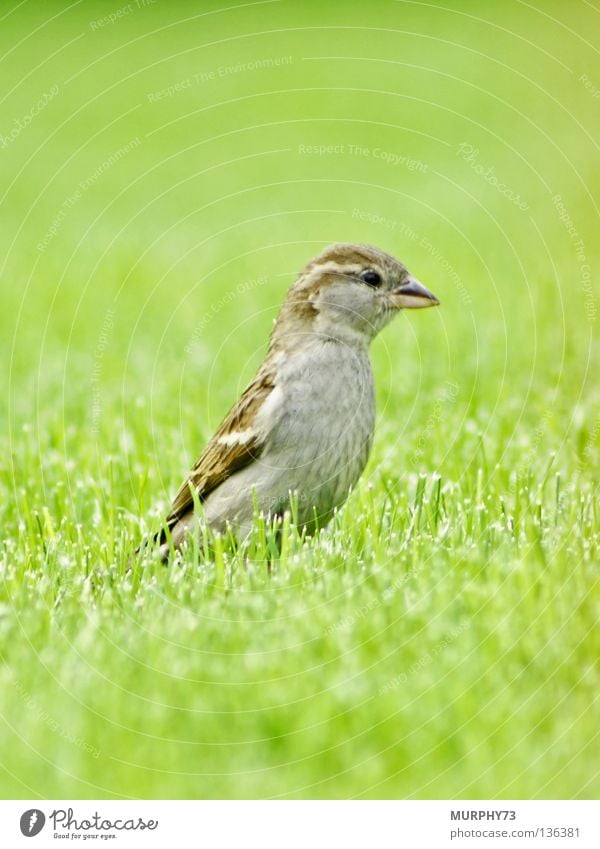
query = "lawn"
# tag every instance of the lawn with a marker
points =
(167, 168)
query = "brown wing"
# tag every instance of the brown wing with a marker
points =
(219, 460)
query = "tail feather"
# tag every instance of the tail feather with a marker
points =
(169, 537)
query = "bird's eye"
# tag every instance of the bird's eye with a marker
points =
(372, 278)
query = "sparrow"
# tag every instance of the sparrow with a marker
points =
(302, 430)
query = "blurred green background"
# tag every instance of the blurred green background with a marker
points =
(167, 168)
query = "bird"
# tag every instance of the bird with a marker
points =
(301, 432)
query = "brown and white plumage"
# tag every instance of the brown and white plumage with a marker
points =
(305, 423)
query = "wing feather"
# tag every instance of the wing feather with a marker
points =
(225, 454)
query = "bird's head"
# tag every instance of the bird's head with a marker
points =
(350, 292)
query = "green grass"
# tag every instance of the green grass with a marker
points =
(438, 638)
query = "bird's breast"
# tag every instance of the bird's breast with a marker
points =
(322, 439)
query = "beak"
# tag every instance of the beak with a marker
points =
(413, 295)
